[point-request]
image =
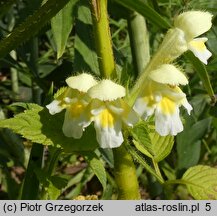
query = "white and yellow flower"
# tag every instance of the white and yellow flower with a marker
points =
(86, 101)
(109, 111)
(75, 100)
(162, 96)
(193, 24)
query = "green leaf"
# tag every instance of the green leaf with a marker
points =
(199, 103)
(201, 182)
(189, 143)
(162, 145)
(169, 172)
(52, 185)
(107, 155)
(31, 25)
(145, 10)
(142, 140)
(202, 73)
(58, 182)
(32, 180)
(41, 175)
(25, 105)
(54, 189)
(151, 143)
(87, 175)
(53, 192)
(97, 166)
(138, 157)
(85, 56)
(11, 147)
(61, 26)
(39, 126)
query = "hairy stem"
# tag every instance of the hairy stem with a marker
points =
(102, 38)
(125, 175)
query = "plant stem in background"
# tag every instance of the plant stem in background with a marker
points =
(139, 41)
(13, 71)
(14, 79)
(103, 38)
(125, 173)
(31, 184)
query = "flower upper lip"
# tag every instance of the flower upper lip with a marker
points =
(82, 82)
(106, 90)
(193, 23)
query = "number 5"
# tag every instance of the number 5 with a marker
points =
(208, 207)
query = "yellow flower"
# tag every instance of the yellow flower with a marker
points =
(193, 24)
(75, 100)
(109, 111)
(162, 96)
